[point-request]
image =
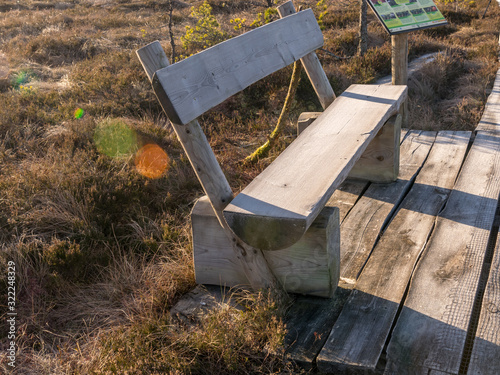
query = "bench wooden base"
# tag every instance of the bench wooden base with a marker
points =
(311, 266)
(380, 161)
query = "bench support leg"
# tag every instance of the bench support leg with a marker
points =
(380, 161)
(252, 262)
(311, 266)
(312, 66)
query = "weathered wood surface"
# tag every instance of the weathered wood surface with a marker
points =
(307, 333)
(490, 120)
(311, 266)
(399, 67)
(362, 227)
(346, 196)
(485, 356)
(399, 62)
(353, 344)
(278, 206)
(194, 85)
(312, 66)
(305, 119)
(432, 328)
(308, 323)
(211, 177)
(192, 138)
(380, 161)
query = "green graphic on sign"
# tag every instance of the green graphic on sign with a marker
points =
(401, 16)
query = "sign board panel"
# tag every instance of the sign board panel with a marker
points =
(401, 16)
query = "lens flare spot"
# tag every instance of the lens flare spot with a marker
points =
(79, 113)
(152, 161)
(115, 138)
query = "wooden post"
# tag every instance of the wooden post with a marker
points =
(312, 66)
(380, 161)
(400, 68)
(210, 175)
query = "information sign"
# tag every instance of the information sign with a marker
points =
(401, 16)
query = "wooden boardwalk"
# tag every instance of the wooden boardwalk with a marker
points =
(420, 264)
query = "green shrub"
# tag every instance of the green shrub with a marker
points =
(269, 15)
(207, 31)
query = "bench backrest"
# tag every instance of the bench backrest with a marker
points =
(194, 85)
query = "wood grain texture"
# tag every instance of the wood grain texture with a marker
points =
(310, 266)
(362, 227)
(346, 196)
(192, 138)
(312, 66)
(490, 120)
(310, 320)
(305, 119)
(211, 177)
(152, 58)
(353, 344)
(485, 357)
(278, 206)
(432, 327)
(380, 161)
(399, 67)
(192, 86)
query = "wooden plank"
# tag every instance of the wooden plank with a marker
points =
(192, 86)
(380, 161)
(353, 344)
(211, 177)
(490, 120)
(312, 66)
(362, 227)
(192, 138)
(485, 357)
(309, 321)
(278, 206)
(432, 327)
(311, 266)
(346, 196)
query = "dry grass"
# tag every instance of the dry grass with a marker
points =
(102, 252)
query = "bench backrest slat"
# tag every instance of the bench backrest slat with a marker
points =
(192, 86)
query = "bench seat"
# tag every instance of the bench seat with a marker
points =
(275, 210)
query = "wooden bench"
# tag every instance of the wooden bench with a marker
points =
(276, 230)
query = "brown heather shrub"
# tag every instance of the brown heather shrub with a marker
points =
(365, 69)
(55, 50)
(221, 342)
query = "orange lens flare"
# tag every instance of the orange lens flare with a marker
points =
(151, 161)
